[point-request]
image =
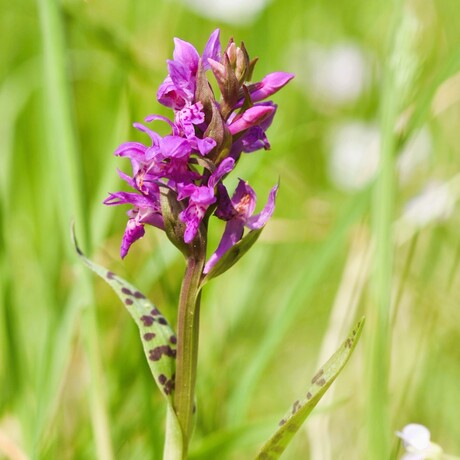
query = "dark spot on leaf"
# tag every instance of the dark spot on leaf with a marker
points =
(282, 422)
(317, 376)
(292, 427)
(173, 339)
(161, 320)
(126, 291)
(309, 395)
(169, 385)
(155, 312)
(147, 320)
(321, 382)
(158, 352)
(149, 336)
(110, 275)
(139, 295)
(295, 407)
(354, 331)
(194, 409)
(162, 379)
(128, 301)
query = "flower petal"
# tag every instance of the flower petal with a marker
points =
(133, 232)
(131, 150)
(232, 234)
(186, 54)
(140, 201)
(192, 217)
(224, 168)
(175, 147)
(212, 49)
(170, 95)
(259, 220)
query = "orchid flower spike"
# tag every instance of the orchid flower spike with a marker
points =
(178, 178)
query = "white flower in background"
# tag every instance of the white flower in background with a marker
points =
(435, 203)
(333, 75)
(353, 154)
(415, 154)
(229, 11)
(416, 441)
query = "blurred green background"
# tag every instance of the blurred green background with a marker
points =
(373, 80)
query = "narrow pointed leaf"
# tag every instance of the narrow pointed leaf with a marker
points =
(158, 339)
(233, 255)
(302, 408)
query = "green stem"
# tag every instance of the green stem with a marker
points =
(187, 347)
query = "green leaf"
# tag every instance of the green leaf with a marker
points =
(233, 255)
(158, 339)
(302, 408)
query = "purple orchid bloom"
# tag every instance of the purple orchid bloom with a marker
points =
(206, 140)
(238, 212)
(147, 210)
(200, 198)
(178, 89)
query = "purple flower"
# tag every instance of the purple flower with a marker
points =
(206, 139)
(178, 89)
(146, 210)
(238, 212)
(184, 127)
(200, 198)
(269, 85)
(253, 116)
(254, 138)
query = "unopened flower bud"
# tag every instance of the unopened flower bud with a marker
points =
(269, 85)
(239, 60)
(231, 52)
(251, 117)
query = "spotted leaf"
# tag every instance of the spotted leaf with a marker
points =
(302, 408)
(158, 339)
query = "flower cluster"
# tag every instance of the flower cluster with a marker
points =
(178, 178)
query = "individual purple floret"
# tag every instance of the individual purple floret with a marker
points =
(200, 198)
(178, 89)
(238, 212)
(179, 178)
